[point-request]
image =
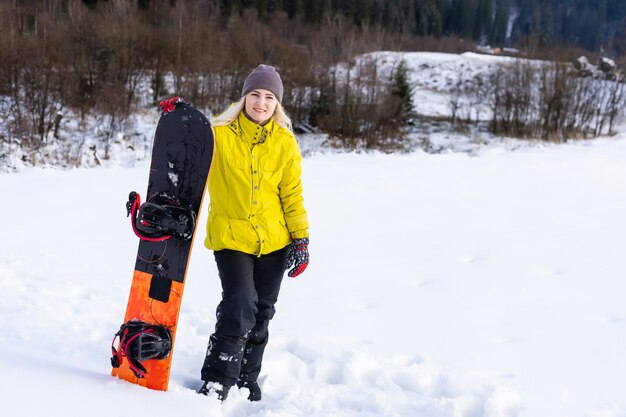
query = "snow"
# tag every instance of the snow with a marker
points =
(440, 285)
(478, 277)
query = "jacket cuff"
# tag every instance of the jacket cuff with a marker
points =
(300, 234)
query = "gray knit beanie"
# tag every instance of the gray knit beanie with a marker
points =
(265, 77)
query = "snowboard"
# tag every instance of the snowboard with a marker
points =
(182, 153)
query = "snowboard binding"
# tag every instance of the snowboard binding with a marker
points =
(160, 218)
(139, 342)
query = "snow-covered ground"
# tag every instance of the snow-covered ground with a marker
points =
(439, 285)
(480, 277)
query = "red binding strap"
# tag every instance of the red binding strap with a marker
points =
(133, 219)
(118, 356)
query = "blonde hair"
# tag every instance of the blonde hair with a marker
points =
(232, 112)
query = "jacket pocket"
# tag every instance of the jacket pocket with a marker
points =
(270, 164)
(238, 161)
(278, 234)
(242, 232)
(272, 173)
(218, 231)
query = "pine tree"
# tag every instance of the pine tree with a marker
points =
(455, 16)
(274, 5)
(483, 20)
(403, 90)
(426, 19)
(435, 18)
(602, 18)
(292, 7)
(409, 16)
(500, 24)
(421, 25)
(375, 13)
(312, 11)
(468, 18)
(362, 12)
(262, 10)
(225, 8)
(391, 16)
(547, 34)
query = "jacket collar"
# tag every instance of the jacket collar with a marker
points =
(251, 132)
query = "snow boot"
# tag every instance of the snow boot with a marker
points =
(253, 387)
(214, 389)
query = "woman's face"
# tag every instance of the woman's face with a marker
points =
(260, 105)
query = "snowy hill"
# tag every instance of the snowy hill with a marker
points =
(440, 285)
(434, 75)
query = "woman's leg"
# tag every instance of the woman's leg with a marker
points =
(268, 274)
(235, 317)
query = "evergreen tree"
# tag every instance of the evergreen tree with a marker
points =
(522, 26)
(455, 17)
(392, 16)
(312, 11)
(439, 13)
(421, 24)
(409, 16)
(403, 90)
(468, 18)
(568, 27)
(501, 23)
(292, 7)
(427, 18)
(225, 8)
(376, 12)
(435, 18)
(546, 17)
(602, 21)
(589, 30)
(262, 10)
(484, 19)
(362, 12)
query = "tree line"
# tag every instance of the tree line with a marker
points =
(93, 58)
(590, 24)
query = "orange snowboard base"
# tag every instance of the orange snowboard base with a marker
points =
(143, 308)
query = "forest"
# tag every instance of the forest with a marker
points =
(590, 24)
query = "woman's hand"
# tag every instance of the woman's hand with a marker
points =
(298, 257)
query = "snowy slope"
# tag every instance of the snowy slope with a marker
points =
(434, 76)
(440, 285)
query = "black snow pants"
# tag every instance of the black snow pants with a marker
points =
(250, 287)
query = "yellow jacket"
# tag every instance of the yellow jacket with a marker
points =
(255, 189)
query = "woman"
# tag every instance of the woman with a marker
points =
(257, 227)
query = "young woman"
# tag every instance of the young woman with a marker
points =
(257, 228)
